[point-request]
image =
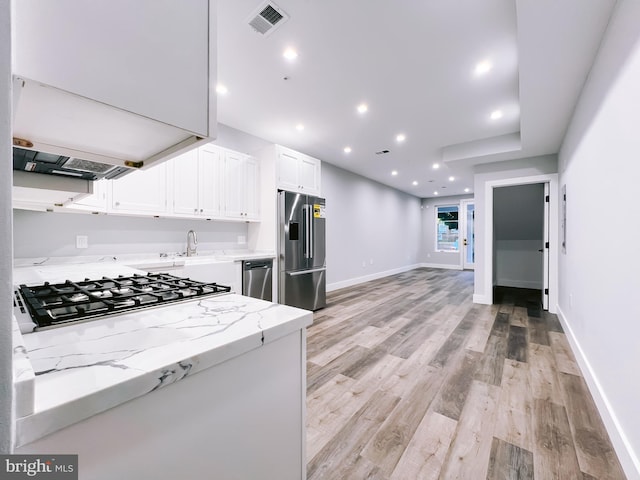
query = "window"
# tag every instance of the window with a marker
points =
(447, 228)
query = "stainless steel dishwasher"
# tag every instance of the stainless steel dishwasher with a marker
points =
(257, 278)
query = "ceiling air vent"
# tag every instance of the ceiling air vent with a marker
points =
(382, 152)
(266, 18)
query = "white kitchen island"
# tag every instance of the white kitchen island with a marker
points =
(208, 388)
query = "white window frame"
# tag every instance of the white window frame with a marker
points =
(437, 223)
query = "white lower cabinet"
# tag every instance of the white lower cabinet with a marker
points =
(243, 418)
(142, 192)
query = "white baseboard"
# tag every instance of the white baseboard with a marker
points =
(628, 458)
(510, 282)
(367, 278)
(482, 299)
(440, 265)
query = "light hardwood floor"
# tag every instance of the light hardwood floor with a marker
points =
(407, 379)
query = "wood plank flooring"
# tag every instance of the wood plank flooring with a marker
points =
(407, 379)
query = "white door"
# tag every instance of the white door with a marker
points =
(545, 251)
(468, 232)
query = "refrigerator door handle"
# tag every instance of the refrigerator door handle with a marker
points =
(307, 231)
(304, 272)
(311, 228)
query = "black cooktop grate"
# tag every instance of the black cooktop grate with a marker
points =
(56, 304)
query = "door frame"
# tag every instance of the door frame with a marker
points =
(554, 243)
(463, 208)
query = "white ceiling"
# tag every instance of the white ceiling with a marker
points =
(412, 62)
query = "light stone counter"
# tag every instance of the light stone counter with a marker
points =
(81, 370)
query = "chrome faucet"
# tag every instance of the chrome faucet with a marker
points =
(192, 243)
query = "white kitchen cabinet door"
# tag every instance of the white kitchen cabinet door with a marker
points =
(127, 54)
(142, 192)
(309, 175)
(121, 68)
(185, 183)
(196, 183)
(298, 172)
(241, 186)
(97, 201)
(252, 189)
(210, 181)
(288, 170)
(234, 165)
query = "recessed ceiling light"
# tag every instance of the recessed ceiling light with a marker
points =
(394, 173)
(435, 193)
(467, 190)
(362, 108)
(221, 89)
(483, 67)
(496, 114)
(347, 149)
(290, 54)
(451, 179)
(436, 166)
(300, 127)
(401, 137)
(414, 183)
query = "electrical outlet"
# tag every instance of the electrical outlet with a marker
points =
(371, 261)
(364, 263)
(82, 241)
(242, 239)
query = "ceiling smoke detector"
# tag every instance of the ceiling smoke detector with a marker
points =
(266, 18)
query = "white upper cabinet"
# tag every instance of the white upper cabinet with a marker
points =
(196, 183)
(210, 181)
(185, 180)
(298, 172)
(97, 201)
(241, 189)
(138, 76)
(141, 193)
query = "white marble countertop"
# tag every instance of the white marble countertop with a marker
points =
(80, 370)
(140, 260)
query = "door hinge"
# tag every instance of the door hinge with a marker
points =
(546, 199)
(546, 291)
(546, 245)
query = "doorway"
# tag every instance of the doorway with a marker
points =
(469, 236)
(484, 252)
(520, 239)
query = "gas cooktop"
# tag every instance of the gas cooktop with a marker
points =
(53, 305)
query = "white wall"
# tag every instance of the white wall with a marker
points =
(518, 222)
(368, 224)
(6, 350)
(427, 252)
(486, 174)
(45, 234)
(600, 165)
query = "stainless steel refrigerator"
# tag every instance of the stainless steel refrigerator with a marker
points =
(302, 266)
